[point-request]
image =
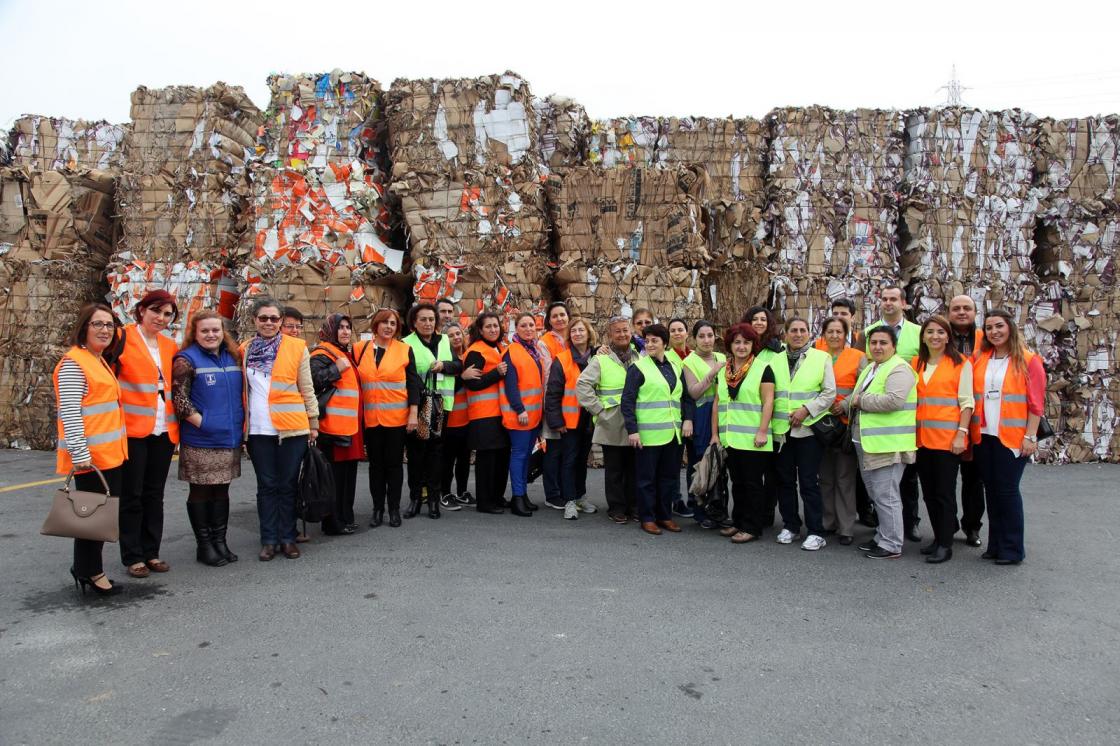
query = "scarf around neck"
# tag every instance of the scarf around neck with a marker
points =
(262, 352)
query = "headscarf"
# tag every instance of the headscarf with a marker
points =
(328, 332)
(262, 352)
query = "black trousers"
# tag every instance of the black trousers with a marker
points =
(425, 464)
(749, 511)
(618, 480)
(908, 489)
(937, 471)
(345, 486)
(772, 485)
(575, 445)
(658, 480)
(972, 497)
(385, 451)
(491, 474)
(456, 460)
(143, 476)
(864, 507)
(87, 554)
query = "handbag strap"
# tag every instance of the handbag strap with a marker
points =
(104, 484)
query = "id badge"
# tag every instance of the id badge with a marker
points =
(992, 395)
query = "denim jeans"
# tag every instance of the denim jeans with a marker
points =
(277, 464)
(521, 447)
(1001, 472)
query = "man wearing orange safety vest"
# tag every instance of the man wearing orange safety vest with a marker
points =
(962, 316)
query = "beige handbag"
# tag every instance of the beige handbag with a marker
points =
(83, 515)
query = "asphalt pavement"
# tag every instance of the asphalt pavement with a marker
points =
(499, 629)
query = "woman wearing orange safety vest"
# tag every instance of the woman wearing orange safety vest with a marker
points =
(839, 470)
(340, 417)
(144, 373)
(555, 337)
(567, 452)
(521, 399)
(390, 397)
(456, 461)
(482, 374)
(1009, 387)
(944, 412)
(91, 429)
(283, 417)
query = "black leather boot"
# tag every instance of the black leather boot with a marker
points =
(394, 517)
(531, 505)
(378, 518)
(433, 506)
(413, 508)
(518, 506)
(199, 515)
(219, 520)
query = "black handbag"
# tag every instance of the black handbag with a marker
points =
(1045, 430)
(829, 430)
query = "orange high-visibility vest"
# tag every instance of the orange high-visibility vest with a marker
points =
(102, 416)
(530, 383)
(569, 404)
(484, 403)
(141, 384)
(977, 339)
(458, 416)
(846, 370)
(553, 343)
(939, 411)
(286, 407)
(340, 416)
(1013, 401)
(384, 386)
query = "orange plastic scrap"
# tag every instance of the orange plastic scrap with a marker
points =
(357, 294)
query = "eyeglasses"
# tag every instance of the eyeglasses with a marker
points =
(264, 318)
(293, 327)
(99, 325)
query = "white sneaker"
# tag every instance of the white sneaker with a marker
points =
(586, 507)
(571, 511)
(813, 543)
(785, 537)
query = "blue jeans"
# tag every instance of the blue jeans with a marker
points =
(521, 447)
(277, 464)
(1001, 473)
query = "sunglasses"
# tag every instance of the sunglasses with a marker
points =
(264, 318)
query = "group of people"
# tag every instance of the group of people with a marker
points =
(826, 426)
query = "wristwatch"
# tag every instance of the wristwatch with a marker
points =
(1031, 438)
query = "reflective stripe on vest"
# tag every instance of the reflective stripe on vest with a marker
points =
(699, 368)
(939, 412)
(530, 387)
(845, 369)
(102, 418)
(741, 417)
(612, 380)
(658, 409)
(139, 380)
(445, 384)
(779, 364)
(340, 414)
(286, 407)
(887, 432)
(807, 382)
(569, 405)
(483, 404)
(1013, 411)
(384, 386)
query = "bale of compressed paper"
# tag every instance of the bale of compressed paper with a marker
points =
(625, 141)
(47, 143)
(458, 126)
(600, 291)
(57, 215)
(184, 191)
(1077, 160)
(506, 284)
(563, 131)
(642, 215)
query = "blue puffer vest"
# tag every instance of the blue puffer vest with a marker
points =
(216, 393)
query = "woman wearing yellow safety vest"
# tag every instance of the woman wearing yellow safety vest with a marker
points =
(283, 416)
(437, 367)
(771, 352)
(883, 412)
(701, 366)
(456, 461)
(812, 389)
(741, 420)
(340, 422)
(91, 429)
(658, 413)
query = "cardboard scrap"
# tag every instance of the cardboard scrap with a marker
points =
(46, 143)
(625, 141)
(1078, 159)
(563, 130)
(57, 215)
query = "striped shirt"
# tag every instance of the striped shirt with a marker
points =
(72, 388)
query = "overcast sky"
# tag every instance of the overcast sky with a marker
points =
(82, 59)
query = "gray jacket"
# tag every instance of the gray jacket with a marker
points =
(610, 429)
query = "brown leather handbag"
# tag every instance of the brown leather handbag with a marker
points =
(76, 514)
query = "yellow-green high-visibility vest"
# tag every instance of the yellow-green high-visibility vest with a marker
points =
(612, 379)
(700, 368)
(658, 409)
(779, 363)
(741, 417)
(887, 432)
(807, 382)
(445, 384)
(909, 341)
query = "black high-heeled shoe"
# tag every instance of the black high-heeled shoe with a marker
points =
(81, 583)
